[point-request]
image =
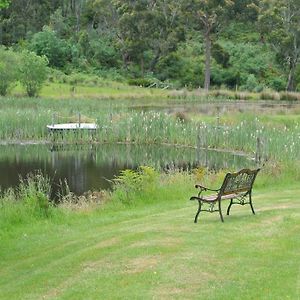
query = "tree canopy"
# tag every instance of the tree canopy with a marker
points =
(187, 43)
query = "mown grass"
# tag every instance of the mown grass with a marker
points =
(104, 91)
(140, 242)
(150, 248)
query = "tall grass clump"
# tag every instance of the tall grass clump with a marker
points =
(289, 96)
(29, 201)
(146, 127)
(269, 95)
(26, 119)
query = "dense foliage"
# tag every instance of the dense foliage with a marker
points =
(25, 67)
(248, 45)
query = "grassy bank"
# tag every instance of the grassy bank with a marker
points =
(140, 241)
(144, 245)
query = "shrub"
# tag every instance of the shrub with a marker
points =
(8, 70)
(57, 51)
(277, 84)
(32, 72)
(144, 82)
(103, 53)
(251, 83)
(131, 182)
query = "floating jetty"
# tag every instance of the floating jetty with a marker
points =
(72, 126)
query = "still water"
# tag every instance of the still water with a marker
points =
(93, 167)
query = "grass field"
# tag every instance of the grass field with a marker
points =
(156, 252)
(104, 90)
(142, 243)
(150, 248)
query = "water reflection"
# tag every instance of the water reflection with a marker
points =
(92, 167)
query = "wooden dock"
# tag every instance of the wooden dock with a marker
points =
(72, 126)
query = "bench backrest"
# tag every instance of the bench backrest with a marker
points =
(239, 182)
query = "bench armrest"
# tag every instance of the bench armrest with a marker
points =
(203, 188)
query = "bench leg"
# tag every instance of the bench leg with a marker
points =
(220, 211)
(198, 212)
(228, 209)
(250, 201)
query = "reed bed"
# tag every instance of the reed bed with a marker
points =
(22, 120)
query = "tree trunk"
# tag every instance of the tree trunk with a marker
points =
(78, 16)
(291, 78)
(207, 60)
(142, 66)
(154, 61)
(125, 59)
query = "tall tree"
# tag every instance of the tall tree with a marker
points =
(104, 16)
(207, 16)
(167, 29)
(24, 17)
(280, 24)
(145, 30)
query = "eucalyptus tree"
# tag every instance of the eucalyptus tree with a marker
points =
(210, 16)
(144, 30)
(137, 26)
(167, 29)
(104, 16)
(207, 16)
(24, 17)
(280, 24)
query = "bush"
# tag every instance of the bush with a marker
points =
(277, 84)
(8, 70)
(251, 83)
(144, 82)
(57, 51)
(130, 183)
(104, 54)
(33, 72)
(230, 77)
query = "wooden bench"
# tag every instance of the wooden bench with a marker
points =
(236, 186)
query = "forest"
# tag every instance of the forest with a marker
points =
(246, 45)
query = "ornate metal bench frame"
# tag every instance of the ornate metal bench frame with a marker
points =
(236, 186)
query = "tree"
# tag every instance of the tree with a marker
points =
(32, 72)
(104, 17)
(25, 17)
(4, 3)
(207, 16)
(167, 30)
(8, 70)
(47, 43)
(280, 24)
(144, 31)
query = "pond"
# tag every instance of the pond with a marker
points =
(92, 167)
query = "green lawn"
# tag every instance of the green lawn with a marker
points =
(155, 251)
(109, 90)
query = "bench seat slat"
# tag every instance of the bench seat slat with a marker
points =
(212, 198)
